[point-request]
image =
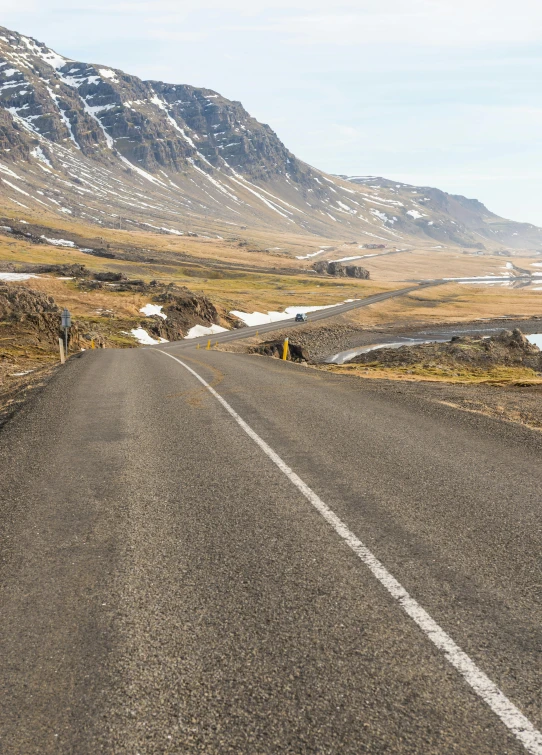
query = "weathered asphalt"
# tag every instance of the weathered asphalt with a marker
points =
(166, 589)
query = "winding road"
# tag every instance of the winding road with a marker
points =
(322, 314)
(339, 309)
(205, 552)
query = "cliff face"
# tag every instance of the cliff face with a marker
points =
(155, 124)
(14, 142)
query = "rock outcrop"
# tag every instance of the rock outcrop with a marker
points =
(510, 348)
(183, 309)
(338, 270)
(274, 348)
(32, 310)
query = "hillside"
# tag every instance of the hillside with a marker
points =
(85, 141)
(452, 218)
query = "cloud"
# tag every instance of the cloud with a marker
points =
(431, 23)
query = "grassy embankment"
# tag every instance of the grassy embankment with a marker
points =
(498, 376)
(451, 303)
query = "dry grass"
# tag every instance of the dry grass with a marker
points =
(260, 250)
(89, 303)
(249, 293)
(499, 376)
(267, 292)
(422, 263)
(450, 303)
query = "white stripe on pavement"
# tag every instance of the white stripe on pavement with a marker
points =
(511, 716)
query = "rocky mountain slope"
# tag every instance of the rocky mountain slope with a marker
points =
(450, 218)
(87, 141)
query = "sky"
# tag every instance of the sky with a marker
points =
(440, 93)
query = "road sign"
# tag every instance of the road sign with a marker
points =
(66, 318)
(66, 323)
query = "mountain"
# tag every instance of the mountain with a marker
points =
(451, 218)
(89, 141)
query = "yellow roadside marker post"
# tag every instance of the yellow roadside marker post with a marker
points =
(197, 347)
(285, 349)
(92, 346)
(208, 345)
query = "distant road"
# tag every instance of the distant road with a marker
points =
(325, 314)
(280, 560)
(322, 314)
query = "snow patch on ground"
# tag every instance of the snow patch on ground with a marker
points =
(144, 338)
(153, 309)
(536, 339)
(314, 254)
(202, 330)
(357, 257)
(37, 152)
(16, 276)
(107, 74)
(260, 318)
(58, 242)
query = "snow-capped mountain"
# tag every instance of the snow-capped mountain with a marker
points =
(90, 141)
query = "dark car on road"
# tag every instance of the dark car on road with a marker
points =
(301, 317)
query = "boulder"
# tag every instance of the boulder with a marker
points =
(354, 271)
(338, 270)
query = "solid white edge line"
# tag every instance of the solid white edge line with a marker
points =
(511, 716)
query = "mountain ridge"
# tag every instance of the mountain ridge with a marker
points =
(92, 141)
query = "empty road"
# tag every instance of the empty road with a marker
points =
(274, 560)
(322, 314)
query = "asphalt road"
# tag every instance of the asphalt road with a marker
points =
(325, 314)
(168, 587)
(322, 314)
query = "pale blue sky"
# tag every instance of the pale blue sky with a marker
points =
(439, 92)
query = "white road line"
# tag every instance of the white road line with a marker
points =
(511, 716)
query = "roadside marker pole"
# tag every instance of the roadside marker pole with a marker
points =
(285, 349)
(208, 345)
(197, 347)
(61, 347)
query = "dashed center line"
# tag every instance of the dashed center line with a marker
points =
(487, 690)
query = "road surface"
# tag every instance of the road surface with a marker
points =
(172, 581)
